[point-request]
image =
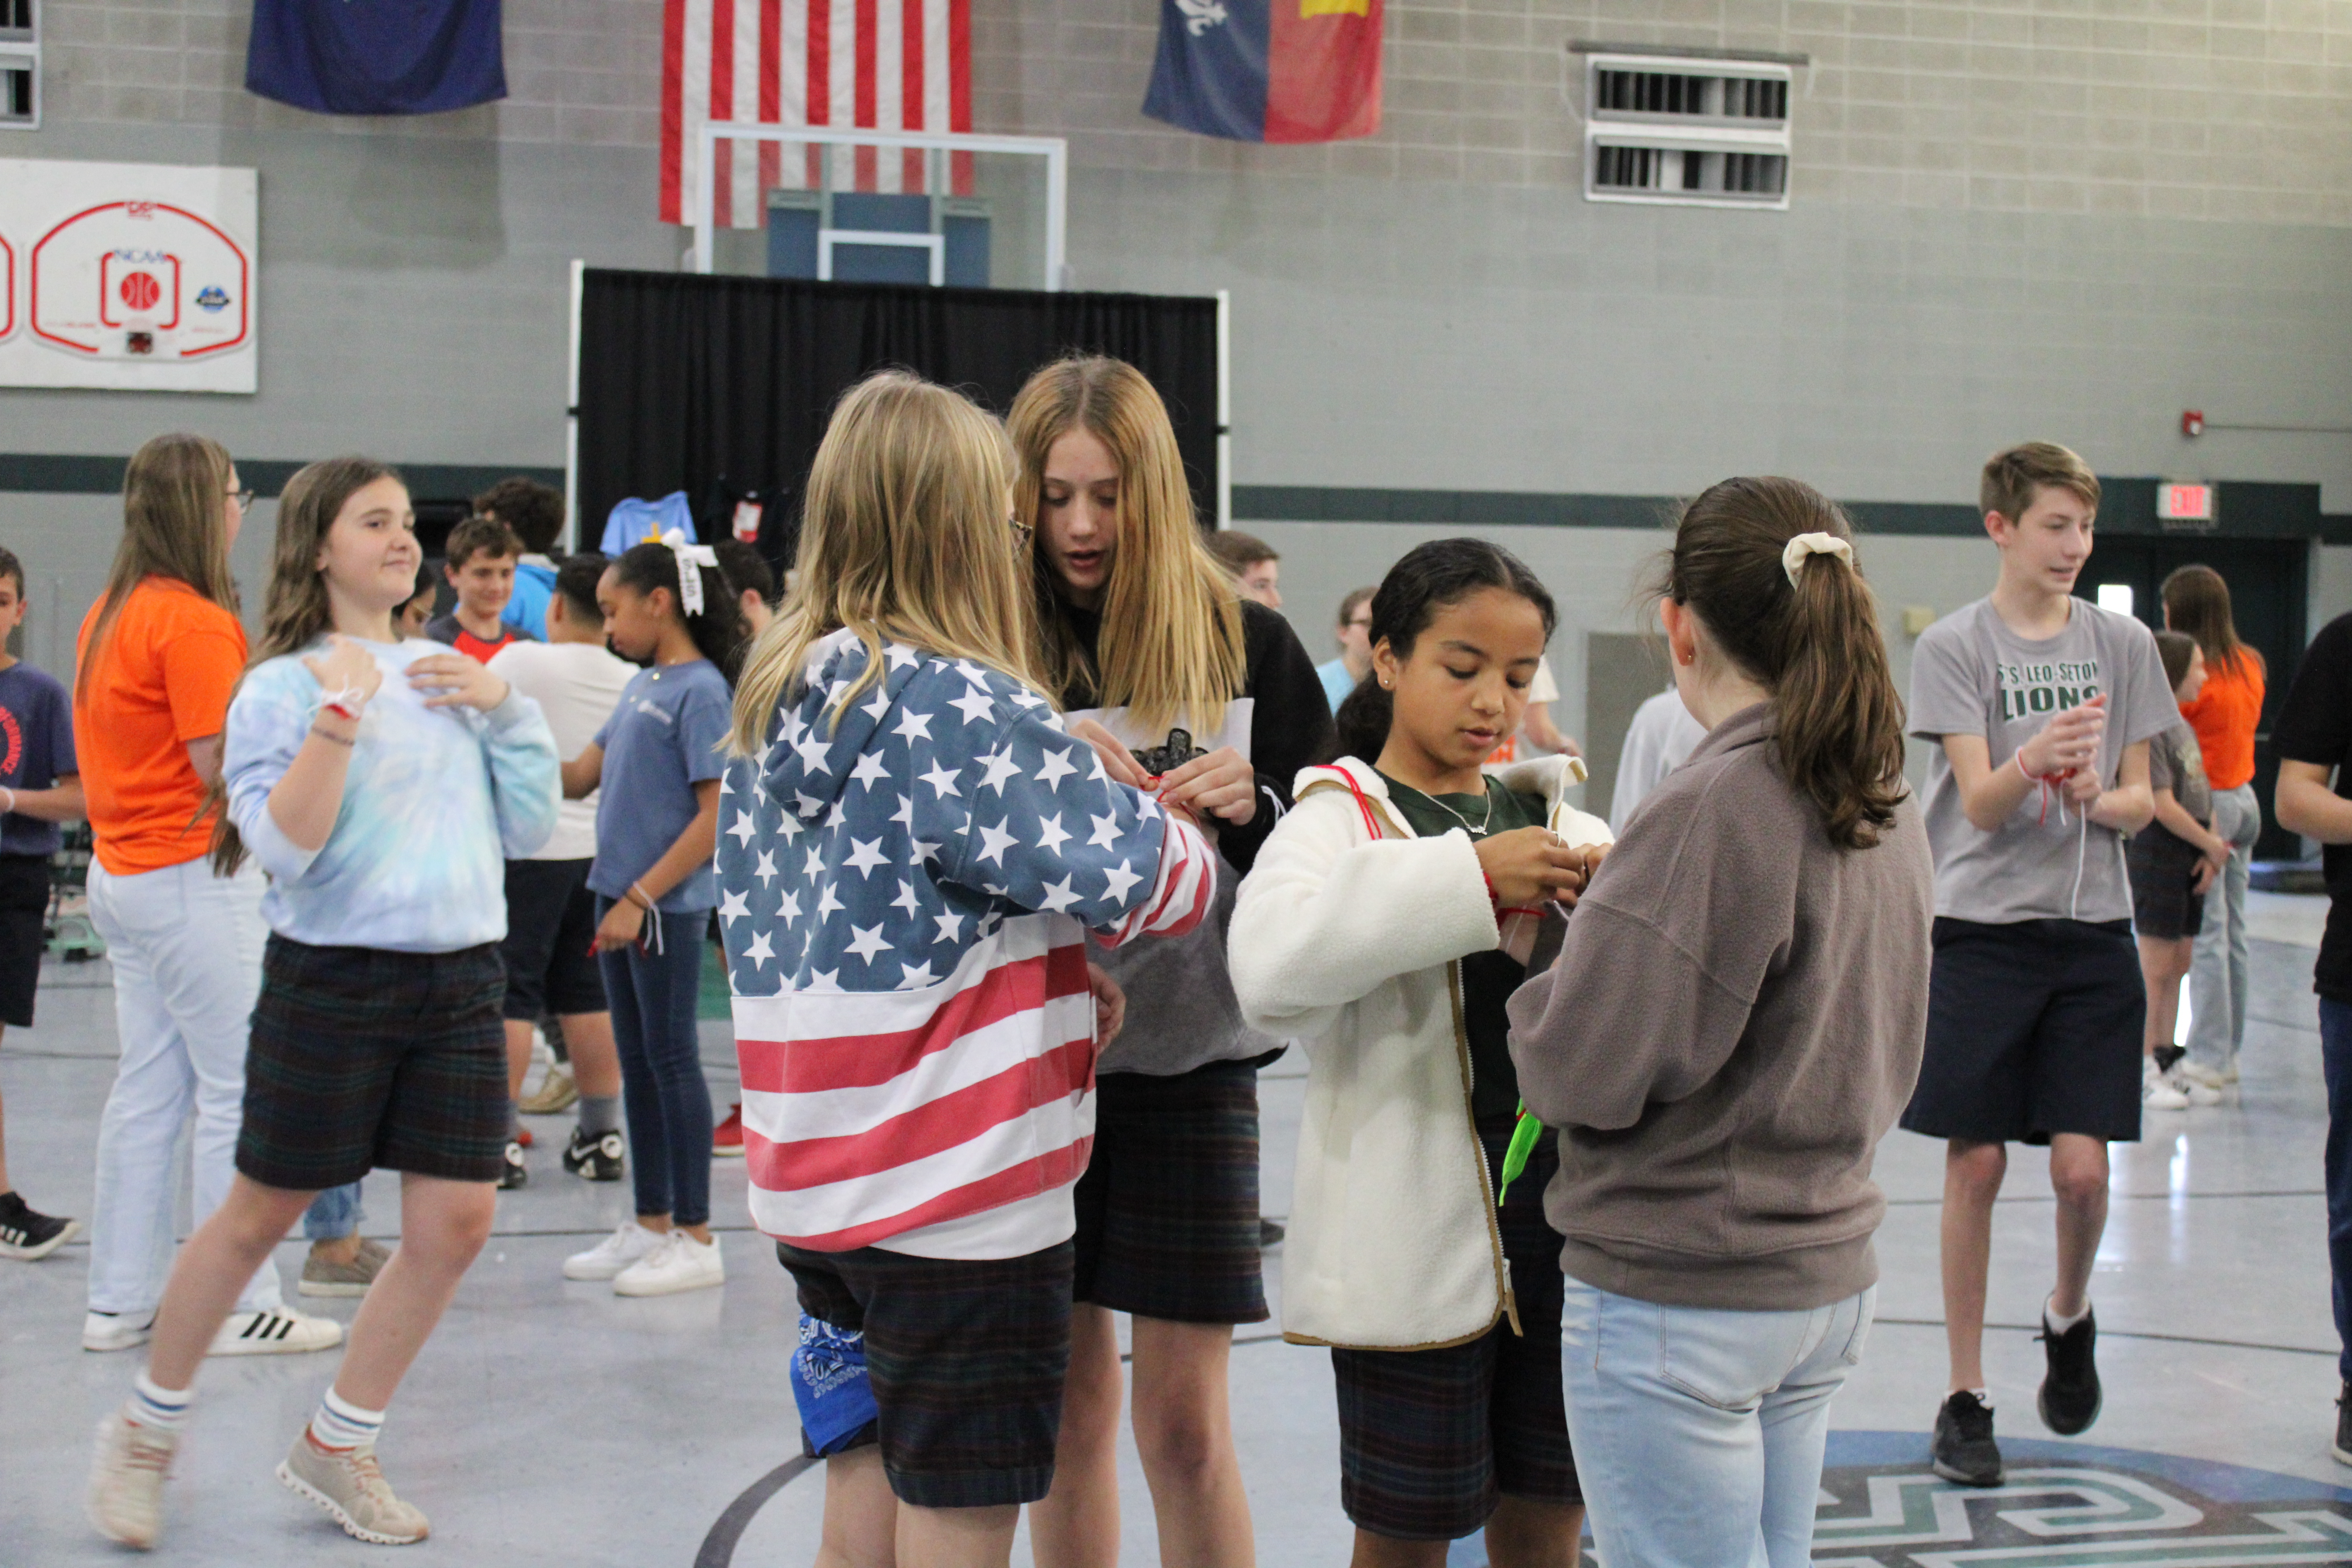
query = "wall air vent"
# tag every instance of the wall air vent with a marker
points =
(1672, 127)
(20, 67)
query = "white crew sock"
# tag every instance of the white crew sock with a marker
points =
(341, 1425)
(2058, 1325)
(156, 1407)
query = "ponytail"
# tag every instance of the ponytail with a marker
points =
(718, 628)
(1428, 578)
(1805, 625)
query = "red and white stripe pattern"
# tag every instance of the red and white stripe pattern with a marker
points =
(891, 65)
(868, 1115)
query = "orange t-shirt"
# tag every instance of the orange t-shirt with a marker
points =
(170, 662)
(2224, 716)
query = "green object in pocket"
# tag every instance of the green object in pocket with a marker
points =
(1524, 1134)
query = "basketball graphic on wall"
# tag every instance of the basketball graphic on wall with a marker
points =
(128, 276)
(7, 290)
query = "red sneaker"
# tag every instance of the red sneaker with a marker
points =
(523, 1137)
(727, 1137)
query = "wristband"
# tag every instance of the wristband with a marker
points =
(11, 808)
(645, 899)
(2018, 757)
(340, 712)
(331, 737)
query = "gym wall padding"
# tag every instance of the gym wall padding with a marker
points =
(688, 380)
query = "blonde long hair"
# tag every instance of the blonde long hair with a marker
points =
(904, 538)
(174, 524)
(1170, 645)
(297, 612)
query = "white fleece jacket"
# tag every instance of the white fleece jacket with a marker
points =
(1348, 943)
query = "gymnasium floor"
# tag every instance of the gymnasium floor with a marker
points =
(554, 1423)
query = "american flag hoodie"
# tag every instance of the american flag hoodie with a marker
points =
(905, 895)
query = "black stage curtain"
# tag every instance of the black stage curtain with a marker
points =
(719, 385)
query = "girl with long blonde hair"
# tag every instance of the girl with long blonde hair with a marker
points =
(914, 847)
(1141, 635)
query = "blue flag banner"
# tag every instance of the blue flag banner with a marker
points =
(1268, 70)
(376, 56)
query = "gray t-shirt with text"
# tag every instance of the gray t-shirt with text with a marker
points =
(1970, 675)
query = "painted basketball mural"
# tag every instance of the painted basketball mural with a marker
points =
(128, 276)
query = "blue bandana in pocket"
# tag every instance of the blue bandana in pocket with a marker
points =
(830, 1385)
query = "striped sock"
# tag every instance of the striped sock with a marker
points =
(341, 1425)
(154, 1406)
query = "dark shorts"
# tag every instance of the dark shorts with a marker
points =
(2162, 868)
(361, 1060)
(2034, 1028)
(23, 916)
(1168, 1220)
(1430, 1441)
(550, 924)
(966, 1359)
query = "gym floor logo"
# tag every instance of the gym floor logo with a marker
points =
(2069, 1506)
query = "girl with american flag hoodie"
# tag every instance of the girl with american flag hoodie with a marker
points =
(911, 850)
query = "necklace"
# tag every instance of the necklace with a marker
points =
(1475, 830)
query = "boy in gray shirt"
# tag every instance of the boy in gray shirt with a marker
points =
(2041, 705)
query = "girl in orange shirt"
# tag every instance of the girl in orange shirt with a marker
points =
(2224, 715)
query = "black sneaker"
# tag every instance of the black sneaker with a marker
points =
(598, 1159)
(2070, 1396)
(2342, 1447)
(1965, 1451)
(26, 1234)
(516, 1173)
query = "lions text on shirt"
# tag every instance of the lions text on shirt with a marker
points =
(1972, 675)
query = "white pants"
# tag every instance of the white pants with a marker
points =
(186, 950)
(2218, 968)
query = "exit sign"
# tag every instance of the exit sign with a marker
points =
(2186, 508)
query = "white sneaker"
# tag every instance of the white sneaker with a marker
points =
(2157, 1092)
(2197, 1093)
(116, 1330)
(680, 1263)
(126, 1481)
(2212, 1077)
(625, 1245)
(281, 1333)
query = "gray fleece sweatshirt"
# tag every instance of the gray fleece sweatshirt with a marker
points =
(1734, 1020)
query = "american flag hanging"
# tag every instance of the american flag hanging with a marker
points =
(893, 65)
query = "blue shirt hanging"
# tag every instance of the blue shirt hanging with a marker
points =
(376, 56)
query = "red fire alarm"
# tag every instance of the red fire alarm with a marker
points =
(2193, 422)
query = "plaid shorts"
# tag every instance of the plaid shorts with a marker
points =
(966, 1358)
(1167, 1221)
(361, 1060)
(1430, 1441)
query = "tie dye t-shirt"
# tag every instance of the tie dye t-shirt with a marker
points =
(435, 802)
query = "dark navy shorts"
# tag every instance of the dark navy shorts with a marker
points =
(1430, 1441)
(2033, 1027)
(1167, 1212)
(966, 1358)
(361, 1060)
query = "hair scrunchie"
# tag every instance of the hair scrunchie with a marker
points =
(1806, 544)
(689, 581)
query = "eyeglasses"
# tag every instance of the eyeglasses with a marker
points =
(243, 499)
(1021, 534)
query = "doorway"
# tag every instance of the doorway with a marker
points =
(2268, 589)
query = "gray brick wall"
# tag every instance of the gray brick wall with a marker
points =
(2237, 110)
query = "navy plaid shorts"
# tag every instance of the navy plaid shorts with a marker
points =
(966, 1357)
(1430, 1441)
(1167, 1212)
(361, 1060)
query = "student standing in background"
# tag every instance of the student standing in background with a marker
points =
(2225, 716)
(481, 568)
(1661, 737)
(535, 512)
(1345, 673)
(40, 787)
(2173, 860)
(577, 682)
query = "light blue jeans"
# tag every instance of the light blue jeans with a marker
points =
(1699, 1433)
(334, 1215)
(2217, 964)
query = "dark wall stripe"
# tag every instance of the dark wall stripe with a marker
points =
(59, 474)
(2245, 510)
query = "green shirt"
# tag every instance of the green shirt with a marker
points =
(1487, 978)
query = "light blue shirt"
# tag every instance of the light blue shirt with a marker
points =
(534, 585)
(1337, 681)
(435, 803)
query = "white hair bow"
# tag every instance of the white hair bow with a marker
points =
(689, 581)
(1806, 544)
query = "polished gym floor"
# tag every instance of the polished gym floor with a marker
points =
(554, 1423)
